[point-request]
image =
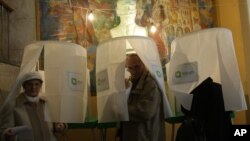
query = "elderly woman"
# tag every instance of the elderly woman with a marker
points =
(24, 119)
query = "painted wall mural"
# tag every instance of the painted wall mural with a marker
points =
(66, 20)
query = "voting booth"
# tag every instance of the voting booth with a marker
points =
(202, 54)
(65, 79)
(110, 74)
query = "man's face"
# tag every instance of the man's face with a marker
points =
(134, 66)
(32, 87)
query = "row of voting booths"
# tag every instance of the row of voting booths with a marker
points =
(194, 58)
(66, 77)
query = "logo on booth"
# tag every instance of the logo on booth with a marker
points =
(185, 73)
(158, 73)
(75, 81)
(102, 80)
(177, 74)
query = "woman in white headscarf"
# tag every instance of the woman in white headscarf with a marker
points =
(23, 118)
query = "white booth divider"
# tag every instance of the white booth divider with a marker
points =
(110, 73)
(202, 54)
(65, 79)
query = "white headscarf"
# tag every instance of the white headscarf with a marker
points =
(31, 76)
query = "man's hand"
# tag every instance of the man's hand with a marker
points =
(9, 135)
(59, 127)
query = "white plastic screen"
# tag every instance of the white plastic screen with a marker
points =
(65, 79)
(110, 73)
(65, 68)
(207, 53)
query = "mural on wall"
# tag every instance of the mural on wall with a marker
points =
(63, 21)
(66, 20)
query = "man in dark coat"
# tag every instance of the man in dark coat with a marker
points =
(145, 105)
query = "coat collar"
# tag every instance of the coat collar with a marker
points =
(142, 79)
(22, 99)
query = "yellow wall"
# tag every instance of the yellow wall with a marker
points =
(229, 16)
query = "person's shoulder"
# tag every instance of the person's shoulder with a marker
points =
(150, 83)
(20, 99)
(149, 78)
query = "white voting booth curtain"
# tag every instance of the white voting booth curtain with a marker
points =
(110, 73)
(202, 54)
(65, 79)
(65, 66)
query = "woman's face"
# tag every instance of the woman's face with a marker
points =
(32, 87)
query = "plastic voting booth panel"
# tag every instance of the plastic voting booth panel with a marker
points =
(110, 73)
(65, 79)
(202, 54)
(65, 67)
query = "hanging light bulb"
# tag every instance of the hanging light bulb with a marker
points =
(91, 16)
(153, 28)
